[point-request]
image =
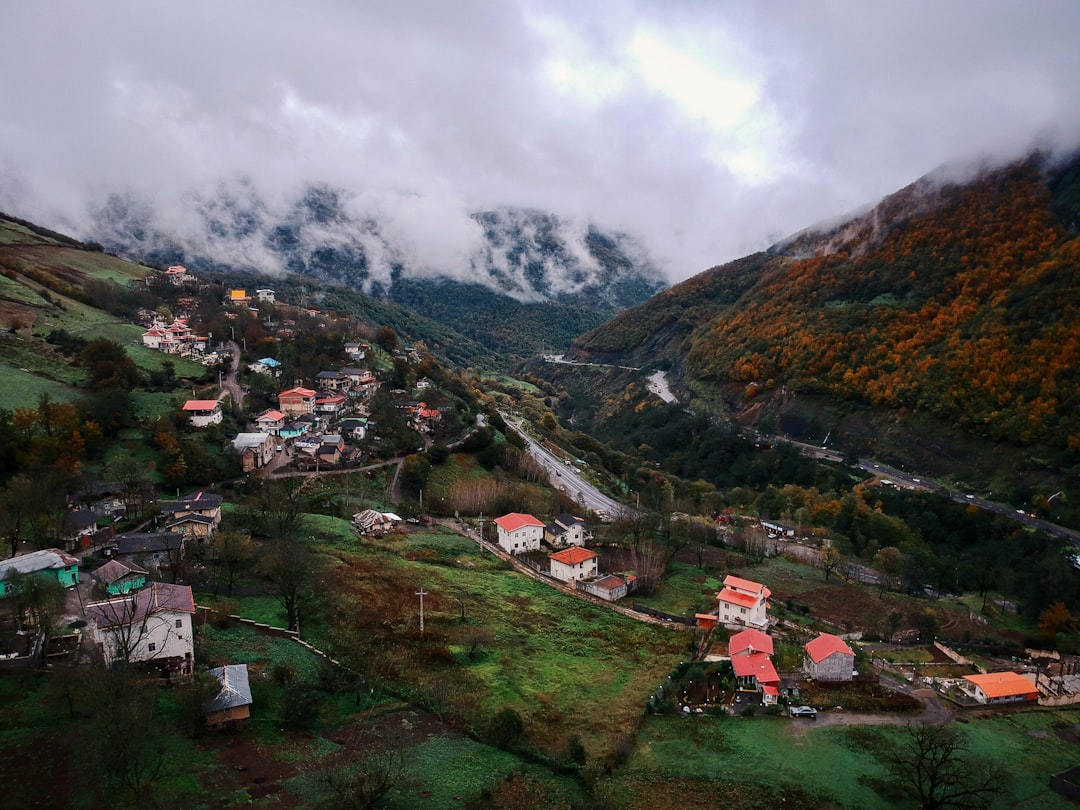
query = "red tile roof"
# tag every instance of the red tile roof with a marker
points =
(825, 645)
(200, 405)
(573, 556)
(515, 520)
(736, 598)
(758, 666)
(743, 584)
(1004, 684)
(750, 641)
(297, 392)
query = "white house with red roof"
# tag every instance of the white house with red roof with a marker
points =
(750, 652)
(297, 401)
(203, 412)
(756, 671)
(270, 421)
(519, 532)
(829, 658)
(743, 603)
(1001, 687)
(750, 642)
(573, 564)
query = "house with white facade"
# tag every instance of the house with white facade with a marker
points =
(1001, 687)
(566, 530)
(270, 421)
(152, 625)
(519, 532)
(573, 564)
(743, 603)
(265, 295)
(829, 658)
(203, 412)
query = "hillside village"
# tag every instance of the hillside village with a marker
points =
(142, 582)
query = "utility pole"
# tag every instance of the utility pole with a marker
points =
(421, 593)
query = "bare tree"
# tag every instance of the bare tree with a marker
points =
(127, 739)
(933, 765)
(292, 568)
(232, 550)
(364, 783)
(137, 627)
(830, 559)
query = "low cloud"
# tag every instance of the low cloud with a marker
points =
(428, 112)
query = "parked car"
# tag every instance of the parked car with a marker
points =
(802, 711)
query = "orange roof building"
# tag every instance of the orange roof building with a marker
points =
(829, 658)
(1001, 687)
(743, 603)
(519, 532)
(573, 563)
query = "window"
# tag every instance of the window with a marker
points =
(742, 610)
(151, 646)
(179, 622)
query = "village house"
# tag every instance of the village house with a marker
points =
(237, 298)
(750, 652)
(197, 503)
(233, 703)
(270, 421)
(267, 365)
(255, 449)
(566, 530)
(742, 603)
(296, 401)
(178, 275)
(610, 587)
(1001, 687)
(266, 295)
(573, 564)
(117, 578)
(372, 522)
(355, 351)
(829, 658)
(329, 404)
(149, 625)
(196, 527)
(51, 561)
(148, 549)
(203, 412)
(354, 426)
(330, 380)
(519, 532)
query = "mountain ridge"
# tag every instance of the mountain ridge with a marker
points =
(954, 299)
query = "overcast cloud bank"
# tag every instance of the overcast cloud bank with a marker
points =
(708, 130)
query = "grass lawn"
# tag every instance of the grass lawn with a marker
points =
(833, 761)
(565, 665)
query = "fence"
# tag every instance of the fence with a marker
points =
(659, 614)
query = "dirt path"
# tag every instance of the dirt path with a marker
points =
(453, 525)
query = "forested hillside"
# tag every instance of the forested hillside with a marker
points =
(956, 300)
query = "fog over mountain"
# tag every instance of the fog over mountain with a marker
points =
(706, 131)
(330, 234)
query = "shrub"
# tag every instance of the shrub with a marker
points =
(283, 673)
(505, 728)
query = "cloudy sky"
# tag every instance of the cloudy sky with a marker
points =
(709, 129)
